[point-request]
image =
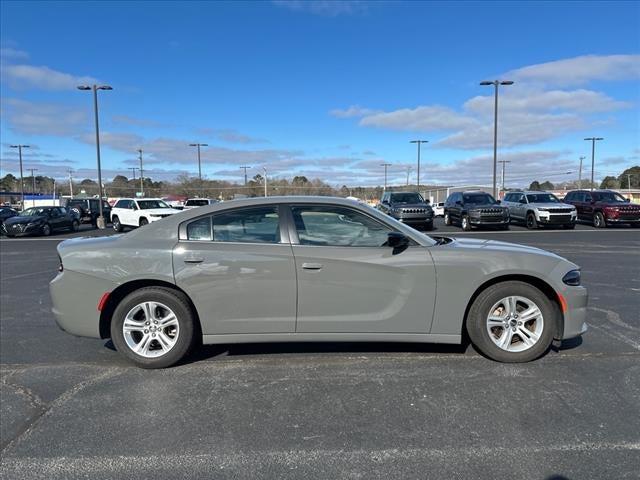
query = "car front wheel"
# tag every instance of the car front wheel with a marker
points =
(466, 226)
(447, 219)
(512, 321)
(117, 226)
(75, 226)
(153, 327)
(532, 223)
(598, 220)
(46, 230)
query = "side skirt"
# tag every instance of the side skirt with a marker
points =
(331, 337)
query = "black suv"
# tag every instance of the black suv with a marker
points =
(87, 209)
(475, 209)
(407, 207)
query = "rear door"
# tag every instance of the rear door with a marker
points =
(349, 281)
(239, 271)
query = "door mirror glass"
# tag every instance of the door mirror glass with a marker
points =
(627, 200)
(459, 202)
(397, 240)
(385, 202)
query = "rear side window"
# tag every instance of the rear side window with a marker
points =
(250, 225)
(200, 229)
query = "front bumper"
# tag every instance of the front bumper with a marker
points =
(18, 232)
(631, 221)
(484, 221)
(74, 298)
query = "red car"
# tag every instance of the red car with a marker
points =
(604, 207)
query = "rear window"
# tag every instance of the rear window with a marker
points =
(200, 202)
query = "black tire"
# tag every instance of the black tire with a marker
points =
(115, 223)
(569, 226)
(531, 221)
(46, 230)
(75, 226)
(447, 218)
(143, 222)
(598, 220)
(465, 224)
(480, 309)
(177, 302)
(428, 226)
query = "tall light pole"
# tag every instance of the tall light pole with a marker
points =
(244, 167)
(33, 179)
(198, 145)
(503, 163)
(593, 141)
(100, 220)
(496, 84)
(265, 180)
(580, 173)
(71, 183)
(408, 173)
(419, 142)
(385, 165)
(20, 147)
(141, 174)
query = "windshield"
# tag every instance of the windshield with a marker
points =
(612, 197)
(406, 198)
(148, 204)
(34, 212)
(197, 203)
(478, 198)
(542, 198)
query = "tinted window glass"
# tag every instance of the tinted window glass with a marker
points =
(542, 198)
(200, 229)
(569, 196)
(121, 204)
(197, 203)
(148, 204)
(252, 225)
(478, 198)
(338, 226)
(611, 197)
(406, 198)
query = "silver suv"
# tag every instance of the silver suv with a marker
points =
(537, 209)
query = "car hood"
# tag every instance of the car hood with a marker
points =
(550, 205)
(24, 219)
(160, 211)
(495, 245)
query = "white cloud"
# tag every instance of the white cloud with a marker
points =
(8, 53)
(328, 8)
(23, 77)
(43, 118)
(425, 118)
(580, 70)
(352, 111)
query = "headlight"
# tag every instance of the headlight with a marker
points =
(542, 209)
(572, 278)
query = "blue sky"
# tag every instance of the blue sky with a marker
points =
(326, 89)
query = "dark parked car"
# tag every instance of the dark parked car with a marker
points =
(6, 212)
(604, 207)
(475, 209)
(40, 221)
(88, 209)
(407, 207)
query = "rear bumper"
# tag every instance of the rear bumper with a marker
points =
(74, 298)
(575, 315)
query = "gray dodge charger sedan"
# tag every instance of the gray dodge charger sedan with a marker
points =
(285, 269)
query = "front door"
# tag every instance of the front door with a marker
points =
(238, 272)
(350, 281)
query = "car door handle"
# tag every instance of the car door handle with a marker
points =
(193, 260)
(312, 266)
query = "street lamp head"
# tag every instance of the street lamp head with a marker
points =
(204, 144)
(487, 82)
(19, 146)
(84, 87)
(599, 138)
(506, 82)
(418, 141)
(104, 87)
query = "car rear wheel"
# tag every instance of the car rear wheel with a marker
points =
(466, 226)
(153, 327)
(117, 226)
(598, 220)
(512, 322)
(532, 223)
(75, 226)
(447, 219)
(46, 230)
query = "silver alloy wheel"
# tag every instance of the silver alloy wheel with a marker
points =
(515, 324)
(465, 223)
(150, 329)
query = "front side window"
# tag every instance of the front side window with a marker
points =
(122, 204)
(149, 204)
(250, 225)
(327, 225)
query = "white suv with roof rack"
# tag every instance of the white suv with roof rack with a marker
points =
(536, 209)
(137, 212)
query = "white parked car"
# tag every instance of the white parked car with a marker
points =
(438, 209)
(198, 202)
(137, 212)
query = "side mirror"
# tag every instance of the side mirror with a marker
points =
(458, 202)
(627, 200)
(498, 202)
(385, 202)
(523, 201)
(397, 240)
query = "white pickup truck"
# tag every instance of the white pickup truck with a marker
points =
(137, 212)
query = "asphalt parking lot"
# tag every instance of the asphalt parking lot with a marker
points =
(73, 408)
